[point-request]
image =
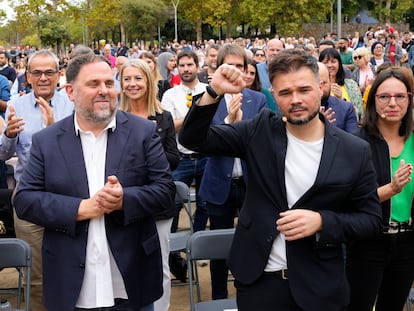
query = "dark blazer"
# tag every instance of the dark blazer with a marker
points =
(166, 131)
(216, 181)
(55, 182)
(344, 114)
(203, 76)
(344, 193)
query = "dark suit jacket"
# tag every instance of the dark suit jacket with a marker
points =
(344, 114)
(216, 181)
(55, 182)
(344, 193)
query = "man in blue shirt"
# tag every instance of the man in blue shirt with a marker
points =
(272, 48)
(4, 98)
(26, 115)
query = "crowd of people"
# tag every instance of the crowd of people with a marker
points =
(308, 143)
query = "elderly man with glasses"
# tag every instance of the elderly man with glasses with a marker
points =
(26, 115)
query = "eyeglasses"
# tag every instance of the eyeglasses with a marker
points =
(357, 57)
(385, 98)
(39, 73)
(189, 98)
(259, 55)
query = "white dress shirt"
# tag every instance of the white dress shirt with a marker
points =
(102, 281)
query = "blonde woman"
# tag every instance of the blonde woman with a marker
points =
(139, 98)
(364, 72)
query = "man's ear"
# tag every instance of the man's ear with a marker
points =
(69, 91)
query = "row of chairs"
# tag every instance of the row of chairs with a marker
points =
(201, 245)
(16, 253)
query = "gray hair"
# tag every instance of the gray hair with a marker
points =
(43, 53)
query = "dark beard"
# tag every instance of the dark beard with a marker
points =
(304, 121)
(324, 101)
(342, 49)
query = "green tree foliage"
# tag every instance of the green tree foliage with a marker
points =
(52, 32)
(30, 16)
(142, 17)
(390, 10)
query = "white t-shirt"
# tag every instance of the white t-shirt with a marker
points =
(301, 167)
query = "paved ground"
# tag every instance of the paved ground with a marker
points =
(179, 297)
(180, 292)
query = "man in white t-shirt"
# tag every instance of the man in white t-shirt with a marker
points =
(311, 189)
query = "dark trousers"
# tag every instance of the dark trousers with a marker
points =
(222, 217)
(381, 270)
(268, 293)
(187, 171)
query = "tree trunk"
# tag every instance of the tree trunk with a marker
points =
(199, 30)
(388, 7)
(122, 28)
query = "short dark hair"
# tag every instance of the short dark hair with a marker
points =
(327, 42)
(231, 49)
(292, 60)
(5, 54)
(187, 53)
(78, 62)
(370, 119)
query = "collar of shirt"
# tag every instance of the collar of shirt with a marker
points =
(51, 101)
(3, 67)
(111, 125)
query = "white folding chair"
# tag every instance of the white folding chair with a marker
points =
(209, 244)
(16, 253)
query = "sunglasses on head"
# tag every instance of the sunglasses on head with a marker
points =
(357, 57)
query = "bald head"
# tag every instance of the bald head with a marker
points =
(324, 78)
(273, 47)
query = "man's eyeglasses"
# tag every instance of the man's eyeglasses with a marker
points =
(47, 73)
(259, 55)
(385, 98)
(357, 57)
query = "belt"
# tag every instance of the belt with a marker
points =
(395, 227)
(191, 156)
(280, 274)
(237, 181)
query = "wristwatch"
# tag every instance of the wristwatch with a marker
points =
(213, 93)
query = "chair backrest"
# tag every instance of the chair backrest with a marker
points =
(183, 195)
(16, 253)
(210, 244)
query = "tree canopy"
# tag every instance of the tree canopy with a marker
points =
(55, 22)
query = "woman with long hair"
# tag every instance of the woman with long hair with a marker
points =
(341, 87)
(139, 97)
(151, 60)
(252, 82)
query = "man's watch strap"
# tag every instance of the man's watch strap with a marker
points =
(213, 93)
